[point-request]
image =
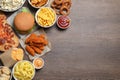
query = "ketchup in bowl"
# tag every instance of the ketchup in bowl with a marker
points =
(63, 22)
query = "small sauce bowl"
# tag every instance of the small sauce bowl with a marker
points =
(63, 22)
(38, 63)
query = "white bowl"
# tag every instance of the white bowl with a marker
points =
(17, 64)
(6, 10)
(38, 7)
(41, 65)
(37, 18)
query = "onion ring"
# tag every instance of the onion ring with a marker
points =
(64, 10)
(67, 4)
(58, 2)
(56, 11)
(58, 6)
(53, 4)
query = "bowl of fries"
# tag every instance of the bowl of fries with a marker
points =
(23, 70)
(45, 17)
(38, 3)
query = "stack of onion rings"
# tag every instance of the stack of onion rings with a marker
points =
(61, 7)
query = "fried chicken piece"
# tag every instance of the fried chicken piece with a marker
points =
(32, 36)
(36, 45)
(41, 48)
(38, 40)
(42, 36)
(45, 42)
(30, 50)
(37, 50)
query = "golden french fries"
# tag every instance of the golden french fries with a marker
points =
(46, 17)
(24, 71)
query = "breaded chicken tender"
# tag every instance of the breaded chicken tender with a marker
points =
(37, 50)
(32, 36)
(30, 50)
(36, 43)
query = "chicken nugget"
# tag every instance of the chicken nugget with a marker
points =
(37, 50)
(30, 50)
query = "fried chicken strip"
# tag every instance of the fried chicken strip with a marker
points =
(37, 50)
(30, 50)
(32, 36)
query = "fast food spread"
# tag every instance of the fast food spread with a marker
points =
(26, 28)
(61, 7)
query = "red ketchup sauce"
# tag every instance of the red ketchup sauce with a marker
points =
(63, 22)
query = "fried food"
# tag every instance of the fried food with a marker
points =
(30, 50)
(64, 10)
(38, 3)
(61, 7)
(46, 17)
(36, 43)
(37, 50)
(58, 2)
(32, 36)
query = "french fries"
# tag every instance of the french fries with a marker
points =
(24, 70)
(46, 17)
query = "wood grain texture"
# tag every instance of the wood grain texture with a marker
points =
(90, 48)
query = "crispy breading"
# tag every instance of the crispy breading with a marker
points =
(42, 36)
(36, 43)
(30, 50)
(38, 40)
(32, 36)
(37, 50)
(41, 48)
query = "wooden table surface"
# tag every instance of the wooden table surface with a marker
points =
(90, 48)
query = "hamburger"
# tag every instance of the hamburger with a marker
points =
(24, 22)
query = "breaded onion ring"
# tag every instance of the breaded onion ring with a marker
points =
(58, 6)
(64, 10)
(56, 11)
(58, 2)
(67, 4)
(53, 4)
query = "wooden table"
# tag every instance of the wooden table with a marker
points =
(90, 48)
